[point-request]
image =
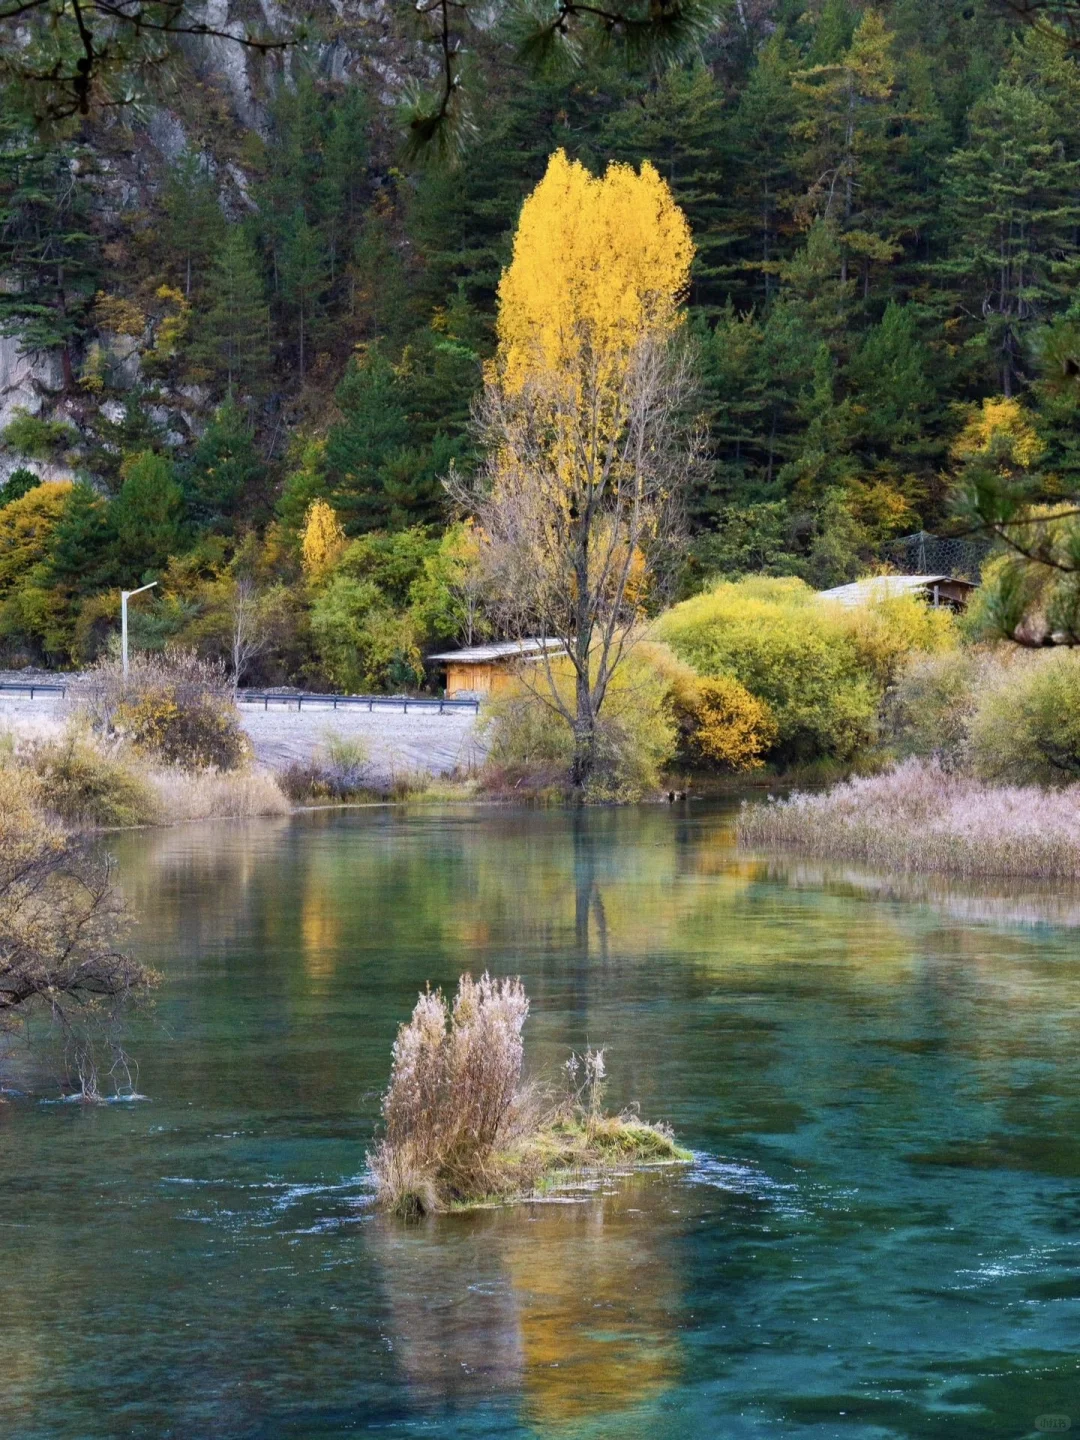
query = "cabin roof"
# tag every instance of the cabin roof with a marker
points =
(499, 650)
(881, 587)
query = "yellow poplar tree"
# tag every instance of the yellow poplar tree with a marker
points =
(586, 450)
(323, 539)
(597, 262)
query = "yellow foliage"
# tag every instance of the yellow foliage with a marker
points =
(92, 375)
(597, 262)
(323, 540)
(25, 527)
(720, 722)
(117, 315)
(999, 418)
(174, 324)
(887, 633)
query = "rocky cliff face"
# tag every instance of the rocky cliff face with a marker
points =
(216, 99)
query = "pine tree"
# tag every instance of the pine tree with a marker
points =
(82, 549)
(339, 189)
(233, 334)
(897, 403)
(374, 428)
(224, 470)
(1014, 213)
(848, 113)
(194, 223)
(147, 515)
(757, 232)
(379, 305)
(49, 257)
(304, 279)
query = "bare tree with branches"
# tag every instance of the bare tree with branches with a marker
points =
(60, 917)
(581, 499)
(250, 636)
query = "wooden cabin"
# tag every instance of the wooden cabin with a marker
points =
(946, 590)
(486, 669)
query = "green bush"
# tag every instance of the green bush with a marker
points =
(40, 439)
(1026, 726)
(931, 707)
(362, 643)
(82, 785)
(789, 650)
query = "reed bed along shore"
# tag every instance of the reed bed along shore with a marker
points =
(184, 795)
(919, 817)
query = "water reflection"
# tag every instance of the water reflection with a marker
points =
(573, 1304)
(889, 1094)
(993, 900)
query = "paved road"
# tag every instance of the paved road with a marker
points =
(396, 742)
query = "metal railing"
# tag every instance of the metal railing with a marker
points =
(31, 687)
(404, 703)
(266, 698)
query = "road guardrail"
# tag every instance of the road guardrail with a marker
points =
(405, 703)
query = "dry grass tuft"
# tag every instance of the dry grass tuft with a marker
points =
(214, 794)
(461, 1128)
(919, 817)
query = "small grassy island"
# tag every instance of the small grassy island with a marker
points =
(463, 1130)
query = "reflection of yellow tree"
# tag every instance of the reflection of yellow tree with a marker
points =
(571, 1305)
(320, 926)
(596, 1302)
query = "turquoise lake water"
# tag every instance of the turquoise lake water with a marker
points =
(881, 1081)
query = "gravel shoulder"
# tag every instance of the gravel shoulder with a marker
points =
(396, 742)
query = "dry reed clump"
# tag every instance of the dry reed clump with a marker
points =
(461, 1127)
(920, 817)
(214, 794)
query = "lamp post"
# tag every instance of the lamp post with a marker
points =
(125, 596)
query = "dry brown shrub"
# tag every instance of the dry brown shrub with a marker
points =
(175, 707)
(455, 1095)
(60, 917)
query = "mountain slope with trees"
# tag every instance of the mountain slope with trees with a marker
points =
(240, 300)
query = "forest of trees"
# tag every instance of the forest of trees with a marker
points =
(885, 204)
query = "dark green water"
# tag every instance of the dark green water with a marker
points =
(881, 1236)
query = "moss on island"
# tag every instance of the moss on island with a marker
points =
(463, 1131)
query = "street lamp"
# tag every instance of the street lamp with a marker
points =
(125, 596)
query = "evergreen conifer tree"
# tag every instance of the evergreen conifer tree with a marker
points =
(232, 338)
(1015, 211)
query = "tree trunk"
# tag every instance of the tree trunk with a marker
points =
(584, 762)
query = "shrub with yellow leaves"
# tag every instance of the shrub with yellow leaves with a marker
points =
(323, 540)
(721, 725)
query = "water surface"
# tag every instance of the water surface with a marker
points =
(880, 1237)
